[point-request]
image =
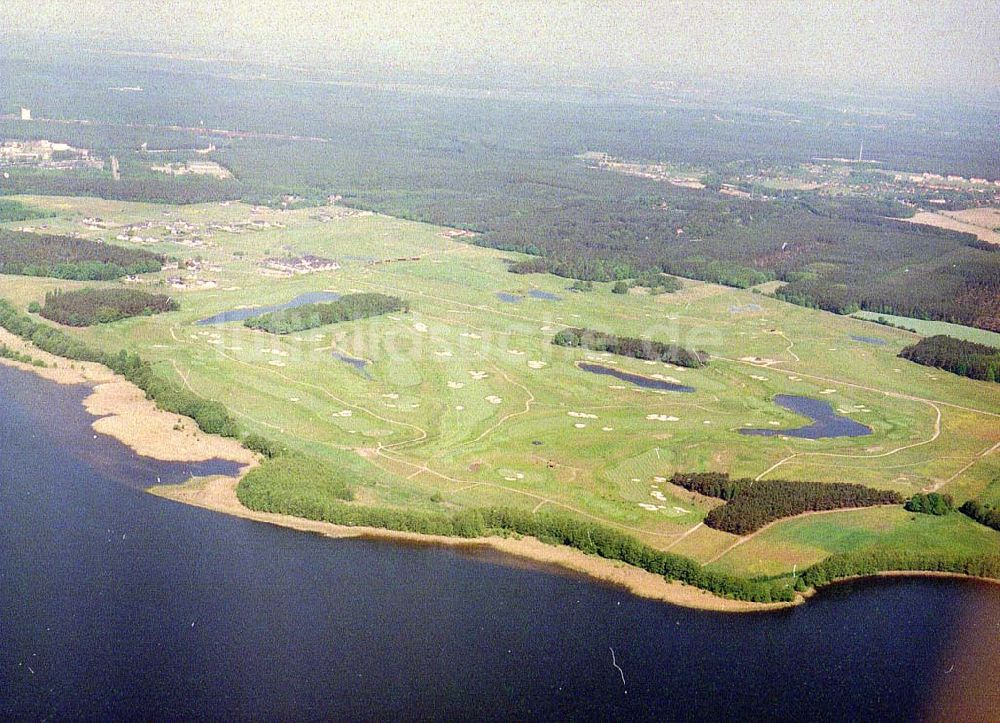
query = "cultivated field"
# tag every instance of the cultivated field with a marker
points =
(464, 401)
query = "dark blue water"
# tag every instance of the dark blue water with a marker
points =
(869, 340)
(115, 604)
(826, 421)
(508, 298)
(544, 295)
(359, 364)
(313, 297)
(637, 379)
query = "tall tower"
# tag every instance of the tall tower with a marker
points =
(115, 171)
(861, 151)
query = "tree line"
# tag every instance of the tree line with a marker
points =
(86, 307)
(630, 347)
(752, 504)
(983, 514)
(61, 257)
(965, 358)
(309, 316)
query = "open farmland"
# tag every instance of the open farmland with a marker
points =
(463, 401)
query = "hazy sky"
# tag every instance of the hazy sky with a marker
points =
(862, 44)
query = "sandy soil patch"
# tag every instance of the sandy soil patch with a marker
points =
(129, 417)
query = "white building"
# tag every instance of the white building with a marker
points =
(25, 113)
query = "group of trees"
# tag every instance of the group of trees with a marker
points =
(309, 316)
(61, 257)
(86, 307)
(630, 347)
(930, 503)
(983, 514)
(966, 358)
(752, 504)
(11, 210)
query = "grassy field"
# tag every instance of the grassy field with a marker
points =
(930, 328)
(465, 402)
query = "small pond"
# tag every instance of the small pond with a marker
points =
(869, 340)
(826, 423)
(637, 379)
(313, 297)
(544, 295)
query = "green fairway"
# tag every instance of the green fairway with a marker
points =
(463, 401)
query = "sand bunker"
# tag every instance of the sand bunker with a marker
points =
(581, 415)
(443, 353)
(580, 425)
(662, 418)
(421, 327)
(467, 335)
(456, 385)
(536, 364)
(607, 429)
(494, 399)
(276, 363)
(478, 375)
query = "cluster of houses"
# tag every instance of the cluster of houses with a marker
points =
(291, 265)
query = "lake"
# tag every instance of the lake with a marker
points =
(827, 423)
(313, 297)
(118, 604)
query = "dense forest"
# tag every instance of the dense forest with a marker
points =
(630, 347)
(86, 307)
(965, 358)
(983, 514)
(309, 316)
(509, 168)
(751, 504)
(61, 257)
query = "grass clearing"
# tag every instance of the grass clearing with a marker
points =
(449, 416)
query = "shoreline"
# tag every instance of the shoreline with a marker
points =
(122, 411)
(219, 495)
